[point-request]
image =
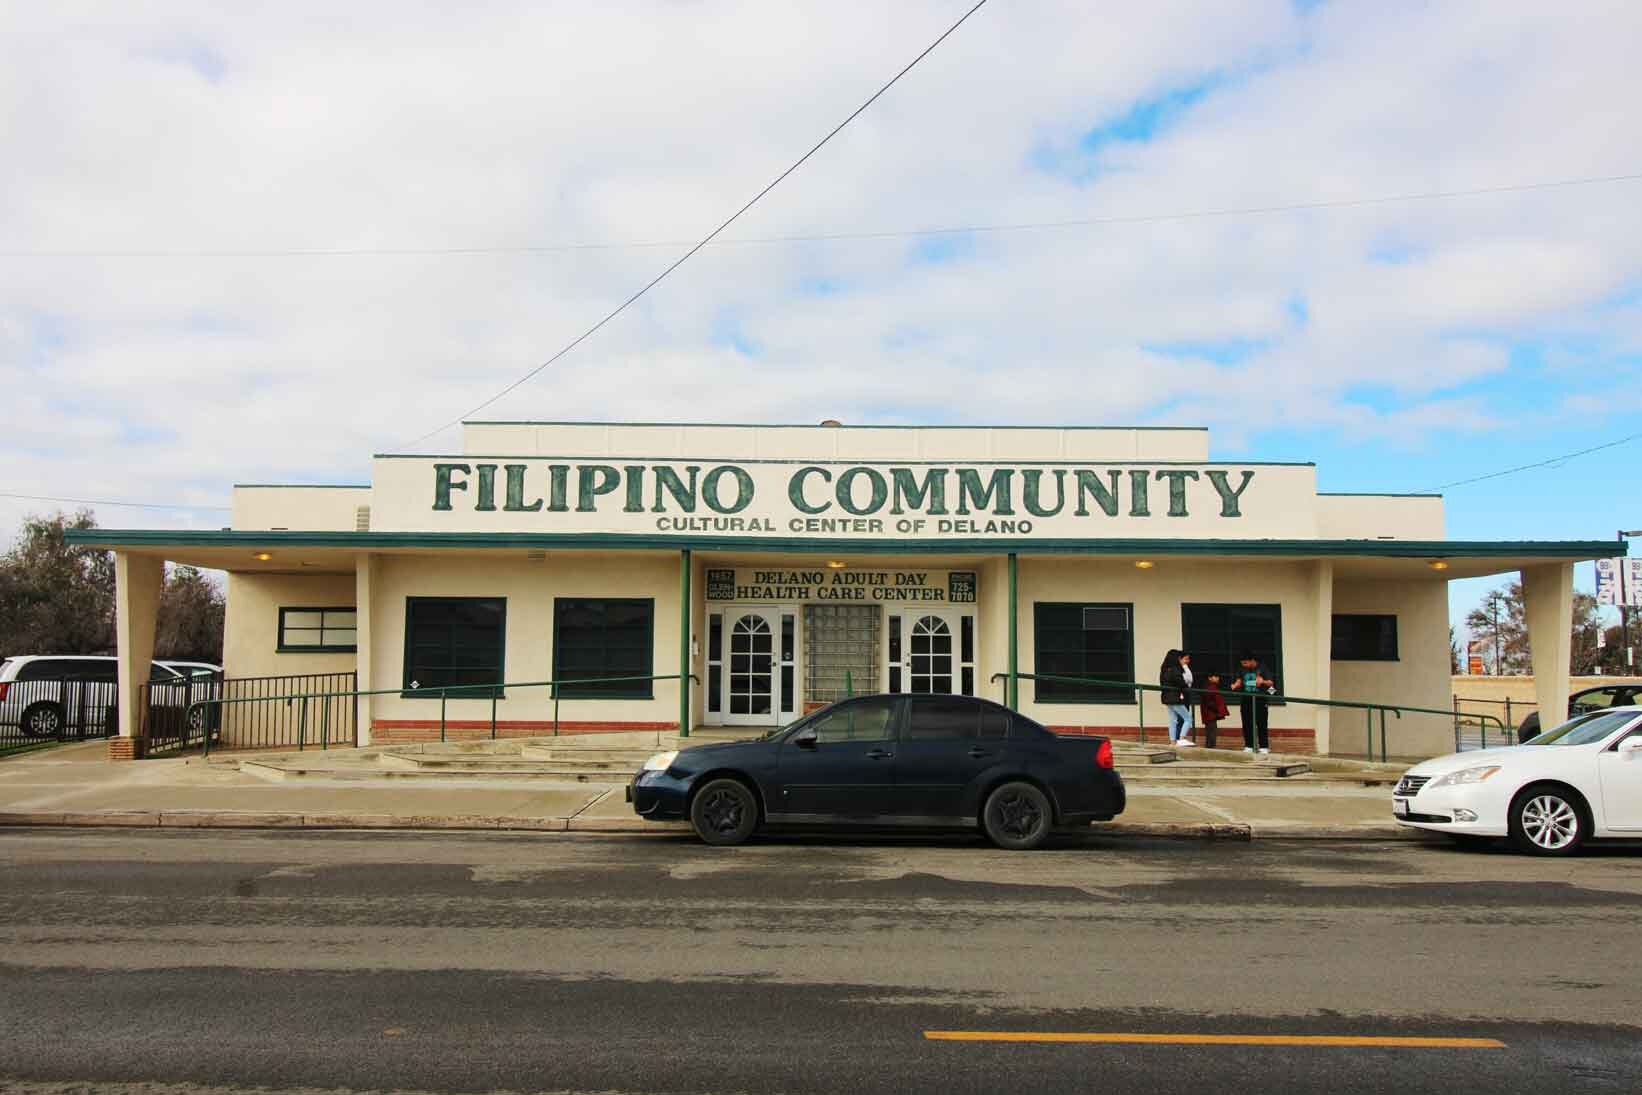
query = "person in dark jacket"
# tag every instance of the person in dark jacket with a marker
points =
(1175, 676)
(1255, 681)
(1212, 708)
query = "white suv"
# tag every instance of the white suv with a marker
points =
(49, 696)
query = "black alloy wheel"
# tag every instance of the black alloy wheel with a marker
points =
(1017, 817)
(724, 812)
(42, 720)
(1547, 819)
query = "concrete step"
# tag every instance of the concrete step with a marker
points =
(1188, 770)
(568, 752)
(294, 772)
(504, 764)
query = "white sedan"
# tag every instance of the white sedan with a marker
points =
(1550, 794)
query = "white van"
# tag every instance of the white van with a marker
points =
(53, 696)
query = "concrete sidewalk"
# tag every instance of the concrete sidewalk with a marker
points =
(76, 785)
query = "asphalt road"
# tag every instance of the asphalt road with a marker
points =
(186, 962)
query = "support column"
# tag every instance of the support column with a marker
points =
(1014, 634)
(684, 643)
(1323, 659)
(137, 583)
(364, 613)
(1548, 607)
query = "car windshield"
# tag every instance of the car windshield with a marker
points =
(1585, 729)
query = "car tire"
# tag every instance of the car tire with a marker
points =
(1548, 819)
(42, 720)
(724, 812)
(1017, 817)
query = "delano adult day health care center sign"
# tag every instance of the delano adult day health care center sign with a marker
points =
(844, 501)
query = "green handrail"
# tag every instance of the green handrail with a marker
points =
(1370, 709)
(445, 693)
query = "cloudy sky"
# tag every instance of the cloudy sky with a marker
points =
(258, 242)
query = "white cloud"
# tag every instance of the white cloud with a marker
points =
(225, 128)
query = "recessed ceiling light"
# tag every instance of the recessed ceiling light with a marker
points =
(1144, 564)
(263, 556)
(836, 564)
(1438, 564)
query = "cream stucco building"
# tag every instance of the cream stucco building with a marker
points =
(667, 575)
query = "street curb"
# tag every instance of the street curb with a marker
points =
(240, 819)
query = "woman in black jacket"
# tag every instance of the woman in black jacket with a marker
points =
(1176, 678)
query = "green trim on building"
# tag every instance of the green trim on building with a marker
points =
(301, 486)
(818, 426)
(1375, 494)
(1059, 462)
(1569, 550)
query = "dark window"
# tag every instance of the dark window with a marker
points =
(604, 637)
(318, 630)
(994, 722)
(1083, 640)
(943, 718)
(857, 720)
(1215, 635)
(454, 641)
(49, 669)
(1364, 638)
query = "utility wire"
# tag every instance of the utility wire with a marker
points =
(105, 502)
(1537, 464)
(682, 259)
(829, 237)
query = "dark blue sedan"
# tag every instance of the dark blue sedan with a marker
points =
(926, 761)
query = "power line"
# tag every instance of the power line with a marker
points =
(680, 261)
(1537, 464)
(106, 502)
(831, 237)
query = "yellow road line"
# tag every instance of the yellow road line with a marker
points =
(1119, 1038)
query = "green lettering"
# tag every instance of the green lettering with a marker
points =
(1031, 487)
(1104, 494)
(1177, 489)
(593, 480)
(926, 497)
(444, 482)
(1137, 494)
(994, 499)
(743, 486)
(558, 486)
(487, 488)
(684, 496)
(1230, 500)
(516, 491)
(846, 491)
(795, 490)
(635, 488)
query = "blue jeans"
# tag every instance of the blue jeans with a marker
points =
(1180, 721)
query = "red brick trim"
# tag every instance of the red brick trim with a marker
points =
(1283, 739)
(120, 748)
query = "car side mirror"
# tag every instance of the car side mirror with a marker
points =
(1630, 747)
(805, 738)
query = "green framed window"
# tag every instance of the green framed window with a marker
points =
(1363, 637)
(1079, 639)
(455, 642)
(318, 630)
(1215, 634)
(600, 637)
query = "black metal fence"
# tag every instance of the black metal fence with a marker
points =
(286, 712)
(37, 711)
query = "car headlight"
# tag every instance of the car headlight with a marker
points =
(661, 762)
(1464, 776)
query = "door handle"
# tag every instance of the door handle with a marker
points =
(878, 754)
(977, 753)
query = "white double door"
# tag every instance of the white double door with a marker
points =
(757, 645)
(932, 651)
